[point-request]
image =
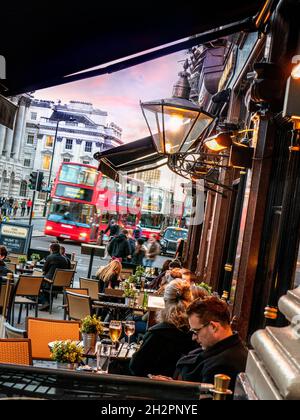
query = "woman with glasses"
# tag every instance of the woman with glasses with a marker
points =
(167, 341)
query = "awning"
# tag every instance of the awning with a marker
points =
(128, 157)
(42, 46)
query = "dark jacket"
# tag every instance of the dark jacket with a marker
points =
(162, 347)
(131, 243)
(54, 261)
(227, 357)
(113, 229)
(119, 247)
(138, 257)
(3, 269)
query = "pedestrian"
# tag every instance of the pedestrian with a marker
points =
(23, 208)
(113, 228)
(139, 253)
(28, 205)
(153, 249)
(119, 246)
(10, 205)
(15, 207)
(5, 207)
(137, 233)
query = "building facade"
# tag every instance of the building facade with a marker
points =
(44, 129)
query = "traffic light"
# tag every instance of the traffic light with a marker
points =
(33, 180)
(40, 181)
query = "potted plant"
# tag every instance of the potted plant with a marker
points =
(205, 286)
(67, 352)
(129, 294)
(35, 258)
(91, 327)
(22, 261)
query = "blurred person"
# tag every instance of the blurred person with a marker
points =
(198, 292)
(137, 232)
(153, 250)
(119, 246)
(28, 205)
(139, 253)
(174, 274)
(3, 267)
(23, 208)
(155, 283)
(131, 242)
(164, 343)
(113, 228)
(109, 276)
(15, 208)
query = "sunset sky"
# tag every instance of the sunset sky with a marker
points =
(119, 93)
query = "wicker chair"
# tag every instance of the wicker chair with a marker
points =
(27, 288)
(43, 331)
(11, 266)
(91, 285)
(80, 291)
(6, 299)
(78, 305)
(61, 280)
(15, 351)
(12, 332)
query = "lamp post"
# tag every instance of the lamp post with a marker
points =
(50, 169)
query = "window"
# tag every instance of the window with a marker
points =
(66, 160)
(69, 144)
(27, 162)
(23, 188)
(30, 139)
(78, 174)
(88, 146)
(46, 162)
(33, 115)
(49, 141)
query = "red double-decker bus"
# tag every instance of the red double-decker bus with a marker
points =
(83, 201)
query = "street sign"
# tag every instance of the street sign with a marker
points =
(15, 237)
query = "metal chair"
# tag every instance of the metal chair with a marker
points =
(12, 332)
(61, 279)
(43, 331)
(80, 291)
(91, 285)
(6, 298)
(15, 351)
(78, 306)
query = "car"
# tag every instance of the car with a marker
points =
(170, 239)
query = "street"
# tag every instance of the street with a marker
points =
(42, 242)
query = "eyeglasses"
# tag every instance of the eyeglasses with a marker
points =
(195, 331)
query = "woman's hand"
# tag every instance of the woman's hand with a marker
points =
(160, 378)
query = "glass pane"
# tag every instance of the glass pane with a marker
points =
(78, 175)
(71, 213)
(75, 193)
(201, 124)
(154, 120)
(178, 123)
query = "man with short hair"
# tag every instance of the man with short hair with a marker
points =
(221, 352)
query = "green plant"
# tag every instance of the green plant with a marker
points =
(35, 257)
(132, 279)
(22, 260)
(205, 286)
(91, 325)
(67, 352)
(140, 271)
(129, 293)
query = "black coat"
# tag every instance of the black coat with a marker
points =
(227, 357)
(162, 347)
(3, 269)
(119, 247)
(54, 261)
(113, 282)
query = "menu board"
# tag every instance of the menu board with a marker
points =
(15, 237)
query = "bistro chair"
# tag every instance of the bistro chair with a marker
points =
(91, 285)
(37, 272)
(12, 332)
(6, 298)
(78, 306)
(61, 280)
(15, 351)
(26, 293)
(126, 273)
(11, 266)
(43, 331)
(79, 291)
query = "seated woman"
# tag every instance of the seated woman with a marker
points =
(167, 341)
(109, 276)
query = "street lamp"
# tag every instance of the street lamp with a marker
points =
(176, 123)
(51, 163)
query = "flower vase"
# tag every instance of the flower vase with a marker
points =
(89, 340)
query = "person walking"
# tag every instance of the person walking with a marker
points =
(28, 205)
(153, 249)
(113, 228)
(15, 207)
(23, 208)
(119, 246)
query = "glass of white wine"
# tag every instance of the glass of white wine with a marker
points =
(129, 329)
(115, 330)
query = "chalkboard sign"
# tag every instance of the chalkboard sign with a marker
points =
(15, 237)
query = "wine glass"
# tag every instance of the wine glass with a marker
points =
(115, 330)
(129, 329)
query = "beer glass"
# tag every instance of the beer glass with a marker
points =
(103, 352)
(129, 329)
(115, 330)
